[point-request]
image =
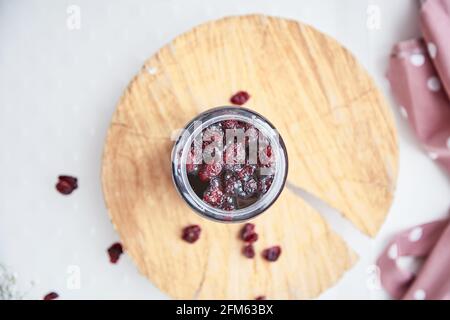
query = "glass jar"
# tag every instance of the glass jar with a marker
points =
(190, 135)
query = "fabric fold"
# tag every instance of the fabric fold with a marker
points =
(419, 74)
(430, 242)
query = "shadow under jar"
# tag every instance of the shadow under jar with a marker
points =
(229, 164)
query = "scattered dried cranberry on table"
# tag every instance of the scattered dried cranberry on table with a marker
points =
(66, 184)
(191, 233)
(51, 296)
(248, 233)
(272, 254)
(114, 252)
(260, 298)
(240, 98)
(248, 251)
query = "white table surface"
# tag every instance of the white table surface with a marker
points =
(59, 88)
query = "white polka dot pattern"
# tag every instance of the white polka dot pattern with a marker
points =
(432, 50)
(417, 59)
(393, 252)
(403, 112)
(416, 234)
(420, 295)
(434, 84)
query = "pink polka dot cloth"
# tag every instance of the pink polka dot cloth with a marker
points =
(419, 74)
(429, 241)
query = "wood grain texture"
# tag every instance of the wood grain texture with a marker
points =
(341, 143)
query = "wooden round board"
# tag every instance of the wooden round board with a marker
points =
(341, 143)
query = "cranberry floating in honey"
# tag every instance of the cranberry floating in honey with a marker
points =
(229, 164)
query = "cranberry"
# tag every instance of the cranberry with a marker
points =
(269, 152)
(252, 237)
(115, 251)
(66, 184)
(260, 298)
(191, 233)
(214, 196)
(248, 233)
(209, 171)
(51, 296)
(240, 98)
(248, 227)
(272, 254)
(248, 251)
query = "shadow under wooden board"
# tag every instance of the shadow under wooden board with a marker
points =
(341, 142)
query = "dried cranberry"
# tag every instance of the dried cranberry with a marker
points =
(214, 196)
(248, 233)
(114, 252)
(71, 180)
(240, 98)
(248, 227)
(248, 251)
(51, 296)
(252, 237)
(209, 171)
(260, 298)
(269, 151)
(272, 254)
(64, 187)
(66, 184)
(191, 233)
